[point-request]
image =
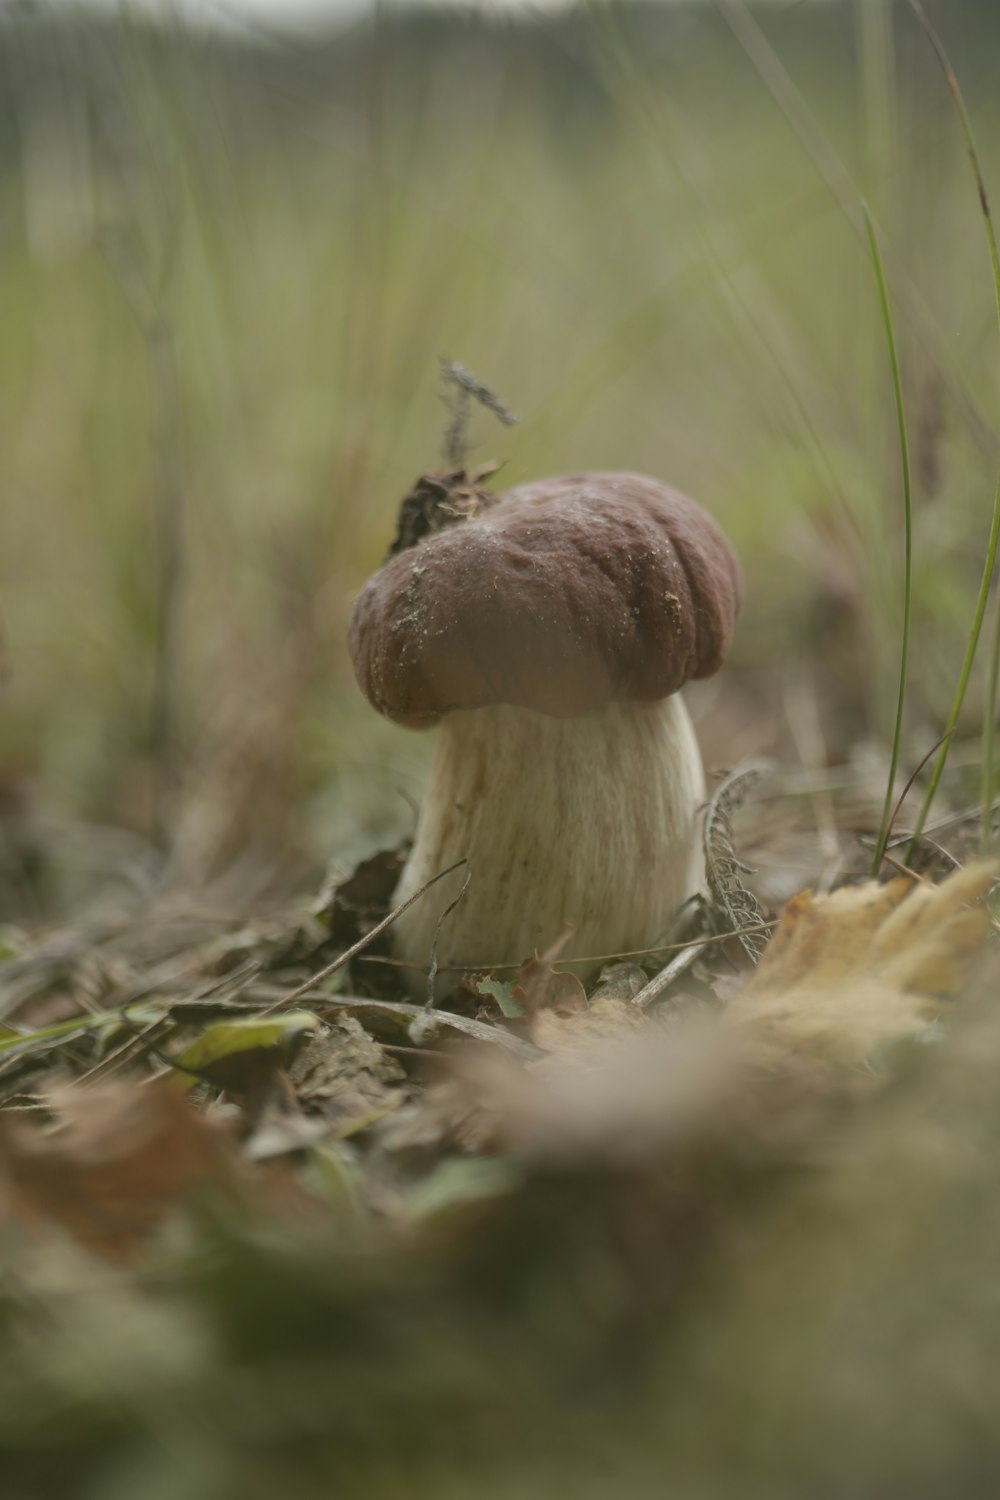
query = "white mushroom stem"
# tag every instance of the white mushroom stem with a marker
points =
(589, 824)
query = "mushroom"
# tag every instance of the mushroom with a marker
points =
(549, 635)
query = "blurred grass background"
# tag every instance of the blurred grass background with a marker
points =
(229, 263)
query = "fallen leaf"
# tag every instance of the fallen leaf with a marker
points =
(546, 996)
(119, 1161)
(559, 1017)
(347, 1076)
(619, 981)
(452, 1115)
(356, 904)
(538, 985)
(847, 973)
(502, 991)
(238, 1055)
(584, 1035)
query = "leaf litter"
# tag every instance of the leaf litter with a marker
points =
(251, 1077)
(536, 1061)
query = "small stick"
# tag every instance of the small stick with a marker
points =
(361, 944)
(433, 970)
(403, 1011)
(904, 869)
(661, 982)
(583, 958)
(467, 389)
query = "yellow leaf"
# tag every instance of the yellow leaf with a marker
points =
(847, 973)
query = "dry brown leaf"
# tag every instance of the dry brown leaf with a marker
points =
(348, 1077)
(850, 972)
(540, 986)
(353, 906)
(582, 1035)
(559, 1017)
(119, 1161)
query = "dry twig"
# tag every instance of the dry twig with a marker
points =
(461, 388)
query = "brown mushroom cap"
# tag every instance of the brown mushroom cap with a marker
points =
(567, 594)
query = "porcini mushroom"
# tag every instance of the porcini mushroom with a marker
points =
(549, 635)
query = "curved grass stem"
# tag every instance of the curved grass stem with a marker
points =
(963, 681)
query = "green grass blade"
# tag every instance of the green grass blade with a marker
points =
(989, 720)
(845, 192)
(25, 1042)
(904, 451)
(988, 776)
(963, 680)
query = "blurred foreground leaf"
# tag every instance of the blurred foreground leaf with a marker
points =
(120, 1159)
(637, 1251)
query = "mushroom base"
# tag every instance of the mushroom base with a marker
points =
(588, 824)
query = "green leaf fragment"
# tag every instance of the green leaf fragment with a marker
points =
(503, 993)
(229, 1038)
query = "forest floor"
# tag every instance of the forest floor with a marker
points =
(265, 1220)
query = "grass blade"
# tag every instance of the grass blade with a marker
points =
(989, 720)
(963, 681)
(904, 451)
(845, 191)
